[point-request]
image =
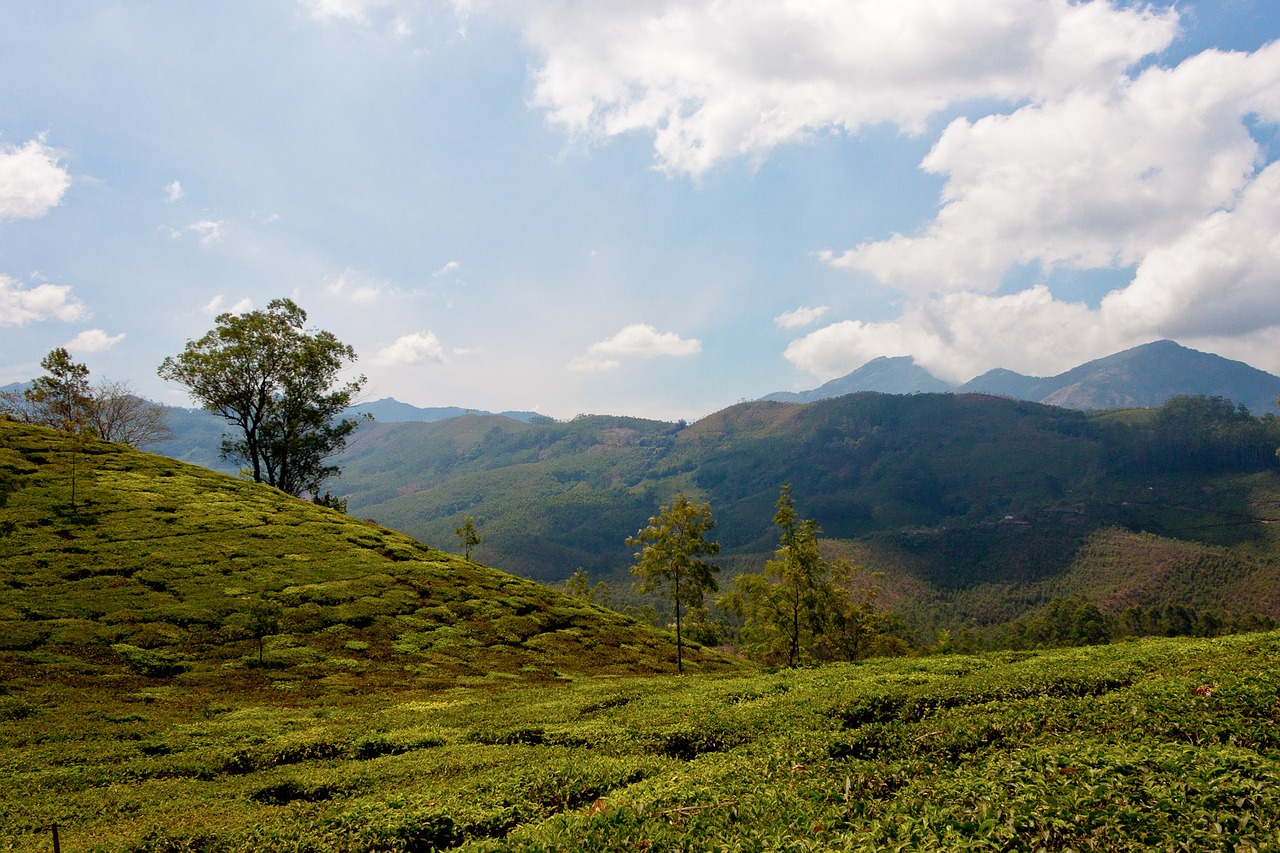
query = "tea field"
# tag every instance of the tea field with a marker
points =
(1152, 745)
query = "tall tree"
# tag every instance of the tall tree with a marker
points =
(62, 397)
(799, 609)
(276, 382)
(673, 548)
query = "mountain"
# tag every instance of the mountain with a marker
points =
(900, 375)
(118, 560)
(391, 410)
(1143, 376)
(976, 508)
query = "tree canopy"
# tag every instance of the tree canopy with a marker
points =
(276, 382)
(672, 558)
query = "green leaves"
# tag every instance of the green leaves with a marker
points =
(672, 558)
(276, 383)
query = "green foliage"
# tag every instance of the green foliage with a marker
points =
(1156, 744)
(275, 382)
(673, 548)
(223, 575)
(976, 509)
(64, 400)
(468, 536)
(800, 610)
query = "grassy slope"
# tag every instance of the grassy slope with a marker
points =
(1161, 744)
(159, 564)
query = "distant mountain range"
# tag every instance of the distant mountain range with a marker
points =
(391, 410)
(1142, 377)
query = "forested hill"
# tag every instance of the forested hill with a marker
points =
(955, 491)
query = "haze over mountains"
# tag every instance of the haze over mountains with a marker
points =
(1144, 376)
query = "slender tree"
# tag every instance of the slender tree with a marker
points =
(799, 609)
(467, 534)
(276, 382)
(62, 397)
(673, 548)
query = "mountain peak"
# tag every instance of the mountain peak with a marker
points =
(886, 374)
(1143, 376)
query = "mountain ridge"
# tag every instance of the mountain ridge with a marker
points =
(1144, 376)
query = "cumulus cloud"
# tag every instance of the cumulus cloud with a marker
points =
(800, 317)
(173, 191)
(21, 305)
(1092, 180)
(959, 335)
(712, 79)
(1213, 284)
(638, 339)
(416, 348)
(32, 181)
(93, 340)
(398, 13)
(451, 266)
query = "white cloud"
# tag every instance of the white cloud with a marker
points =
(399, 12)
(32, 181)
(800, 317)
(94, 340)
(712, 79)
(638, 339)
(451, 266)
(21, 305)
(1220, 277)
(1213, 284)
(959, 335)
(214, 306)
(1093, 180)
(417, 348)
(354, 286)
(174, 191)
(209, 230)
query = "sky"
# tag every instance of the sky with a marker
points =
(655, 209)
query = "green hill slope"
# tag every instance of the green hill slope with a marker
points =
(174, 571)
(1151, 745)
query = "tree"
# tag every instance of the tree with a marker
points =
(119, 415)
(467, 533)
(276, 382)
(264, 621)
(64, 400)
(799, 608)
(61, 399)
(673, 548)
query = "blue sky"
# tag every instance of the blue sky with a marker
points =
(651, 208)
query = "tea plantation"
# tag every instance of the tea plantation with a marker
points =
(1155, 745)
(193, 663)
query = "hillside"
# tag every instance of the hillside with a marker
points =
(965, 496)
(115, 560)
(1151, 745)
